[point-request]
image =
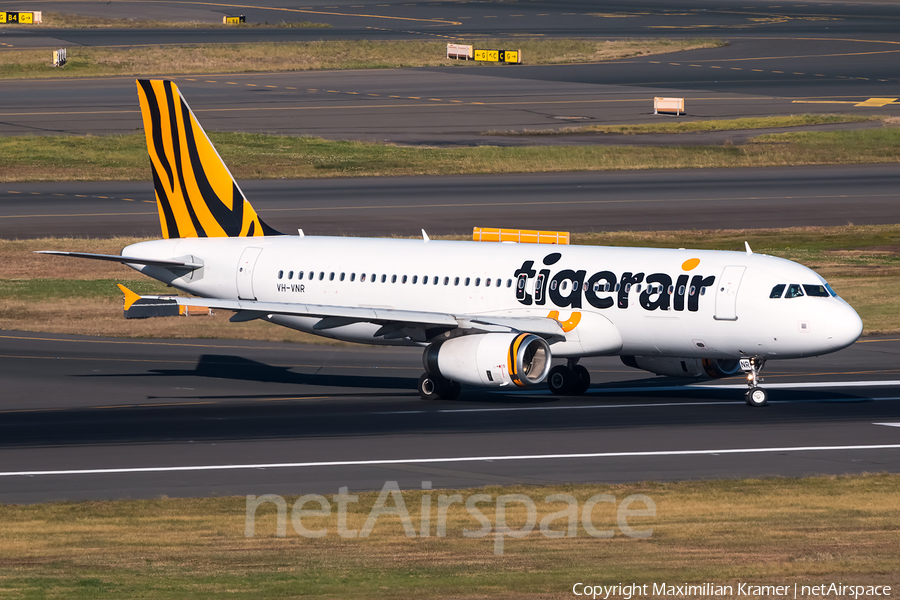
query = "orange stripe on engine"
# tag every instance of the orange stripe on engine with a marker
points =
(513, 352)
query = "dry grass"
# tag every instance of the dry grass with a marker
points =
(697, 126)
(773, 531)
(302, 56)
(257, 156)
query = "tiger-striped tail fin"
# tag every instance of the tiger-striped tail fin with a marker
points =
(195, 192)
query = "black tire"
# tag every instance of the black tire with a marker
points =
(434, 388)
(429, 387)
(450, 390)
(757, 397)
(582, 380)
(560, 380)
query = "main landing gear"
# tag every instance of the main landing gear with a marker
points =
(435, 387)
(756, 396)
(570, 379)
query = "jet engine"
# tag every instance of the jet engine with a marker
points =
(716, 368)
(490, 359)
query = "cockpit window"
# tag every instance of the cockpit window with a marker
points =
(816, 290)
(830, 291)
(794, 291)
(777, 291)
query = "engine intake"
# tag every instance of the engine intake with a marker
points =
(490, 359)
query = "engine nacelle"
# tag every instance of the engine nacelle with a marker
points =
(490, 359)
(715, 368)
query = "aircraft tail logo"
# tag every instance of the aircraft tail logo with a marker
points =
(195, 192)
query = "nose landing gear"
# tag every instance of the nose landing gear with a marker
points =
(756, 396)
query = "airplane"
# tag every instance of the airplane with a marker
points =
(487, 314)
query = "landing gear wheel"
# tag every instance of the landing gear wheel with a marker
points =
(452, 391)
(438, 388)
(757, 397)
(582, 380)
(428, 387)
(561, 380)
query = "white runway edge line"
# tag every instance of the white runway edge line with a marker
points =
(459, 459)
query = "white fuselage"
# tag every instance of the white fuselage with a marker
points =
(703, 304)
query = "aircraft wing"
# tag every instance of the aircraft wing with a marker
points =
(337, 316)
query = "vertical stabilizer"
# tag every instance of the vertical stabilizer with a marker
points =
(195, 192)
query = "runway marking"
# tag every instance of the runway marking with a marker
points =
(888, 424)
(454, 459)
(544, 202)
(611, 406)
(461, 205)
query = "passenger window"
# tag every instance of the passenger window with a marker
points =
(509, 283)
(794, 291)
(373, 277)
(393, 279)
(681, 290)
(627, 288)
(487, 282)
(383, 278)
(290, 275)
(777, 291)
(553, 285)
(280, 274)
(499, 281)
(637, 289)
(331, 277)
(671, 289)
(342, 276)
(693, 290)
(403, 280)
(362, 277)
(477, 281)
(446, 281)
(353, 276)
(321, 275)
(703, 291)
(815, 290)
(456, 281)
(416, 279)
(467, 281)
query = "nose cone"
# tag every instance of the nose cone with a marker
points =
(843, 326)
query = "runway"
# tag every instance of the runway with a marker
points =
(417, 20)
(579, 202)
(192, 414)
(92, 418)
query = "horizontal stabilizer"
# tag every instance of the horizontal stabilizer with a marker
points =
(131, 260)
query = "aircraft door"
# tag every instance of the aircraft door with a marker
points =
(246, 266)
(726, 293)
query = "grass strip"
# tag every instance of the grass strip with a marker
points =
(326, 54)
(763, 531)
(68, 295)
(697, 126)
(258, 156)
